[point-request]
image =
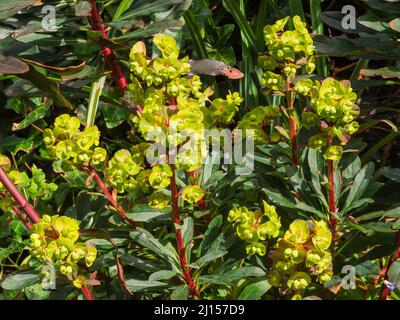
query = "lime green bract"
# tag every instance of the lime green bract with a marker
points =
(53, 241)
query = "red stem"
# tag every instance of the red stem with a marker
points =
(178, 234)
(331, 177)
(86, 293)
(331, 196)
(115, 67)
(292, 121)
(332, 208)
(18, 197)
(25, 221)
(293, 140)
(385, 290)
(108, 195)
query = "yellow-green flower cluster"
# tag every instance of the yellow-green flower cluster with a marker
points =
(288, 50)
(122, 170)
(18, 178)
(260, 119)
(255, 227)
(53, 241)
(222, 111)
(158, 200)
(67, 142)
(35, 187)
(5, 162)
(333, 110)
(174, 111)
(160, 175)
(126, 170)
(164, 70)
(302, 252)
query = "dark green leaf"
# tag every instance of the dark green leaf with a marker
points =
(162, 275)
(229, 277)
(216, 250)
(145, 213)
(360, 183)
(277, 198)
(113, 115)
(136, 285)
(20, 279)
(211, 233)
(147, 240)
(37, 114)
(180, 293)
(8, 9)
(255, 290)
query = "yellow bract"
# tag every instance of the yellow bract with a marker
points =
(54, 241)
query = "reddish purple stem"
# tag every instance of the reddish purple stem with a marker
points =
(18, 197)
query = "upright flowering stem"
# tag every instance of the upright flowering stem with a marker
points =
(332, 206)
(292, 121)
(113, 64)
(86, 293)
(331, 195)
(21, 217)
(385, 290)
(293, 139)
(18, 197)
(178, 234)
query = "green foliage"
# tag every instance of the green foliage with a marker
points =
(110, 150)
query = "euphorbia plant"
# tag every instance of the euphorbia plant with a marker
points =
(328, 109)
(173, 113)
(332, 111)
(290, 54)
(302, 251)
(325, 112)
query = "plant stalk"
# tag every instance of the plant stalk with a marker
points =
(20, 216)
(292, 122)
(86, 293)
(178, 234)
(18, 197)
(332, 205)
(108, 195)
(293, 140)
(331, 195)
(116, 69)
